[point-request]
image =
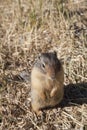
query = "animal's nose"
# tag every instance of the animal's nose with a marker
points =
(53, 76)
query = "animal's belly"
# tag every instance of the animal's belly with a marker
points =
(51, 101)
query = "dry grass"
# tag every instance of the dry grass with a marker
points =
(28, 28)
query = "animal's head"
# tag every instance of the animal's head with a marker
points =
(48, 64)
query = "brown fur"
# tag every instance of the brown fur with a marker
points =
(44, 90)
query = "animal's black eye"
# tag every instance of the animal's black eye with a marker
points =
(43, 65)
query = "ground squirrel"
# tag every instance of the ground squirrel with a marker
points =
(47, 79)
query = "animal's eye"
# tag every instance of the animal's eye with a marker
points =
(43, 65)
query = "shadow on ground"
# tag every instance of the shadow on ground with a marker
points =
(74, 94)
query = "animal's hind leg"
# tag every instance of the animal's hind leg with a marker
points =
(36, 108)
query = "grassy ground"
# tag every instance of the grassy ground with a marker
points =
(28, 28)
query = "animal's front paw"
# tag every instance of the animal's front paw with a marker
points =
(53, 92)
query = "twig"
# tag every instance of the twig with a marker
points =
(34, 124)
(76, 121)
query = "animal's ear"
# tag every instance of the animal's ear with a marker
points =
(55, 53)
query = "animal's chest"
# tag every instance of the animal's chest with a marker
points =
(49, 84)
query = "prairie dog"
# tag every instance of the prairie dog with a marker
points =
(47, 78)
